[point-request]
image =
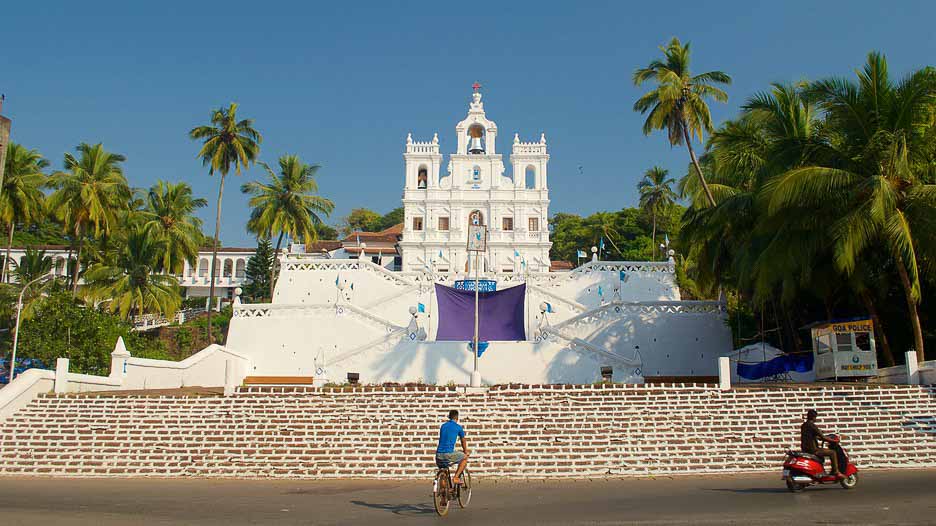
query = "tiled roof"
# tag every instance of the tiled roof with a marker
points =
(560, 266)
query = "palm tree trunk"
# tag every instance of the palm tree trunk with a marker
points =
(214, 259)
(880, 335)
(653, 236)
(695, 162)
(77, 267)
(912, 308)
(6, 261)
(279, 240)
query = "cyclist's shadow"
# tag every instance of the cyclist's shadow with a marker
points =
(399, 509)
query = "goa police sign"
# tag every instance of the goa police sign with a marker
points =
(844, 349)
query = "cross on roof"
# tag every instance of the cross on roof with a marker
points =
(476, 86)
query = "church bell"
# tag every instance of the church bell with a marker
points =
(474, 145)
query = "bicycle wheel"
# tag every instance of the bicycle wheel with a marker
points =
(440, 492)
(464, 491)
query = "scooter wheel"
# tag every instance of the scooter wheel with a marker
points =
(795, 487)
(850, 481)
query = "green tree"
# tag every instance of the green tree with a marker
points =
(326, 232)
(89, 195)
(879, 152)
(21, 198)
(63, 327)
(677, 103)
(286, 204)
(603, 226)
(361, 220)
(391, 218)
(258, 271)
(168, 216)
(227, 143)
(131, 285)
(656, 195)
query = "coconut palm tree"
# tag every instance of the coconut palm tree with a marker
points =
(286, 204)
(33, 265)
(879, 153)
(227, 143)
(21, 198)
(90, 195)
(604, 224)
(130, 284)
(168, 216)
(656, 195)
(677, 103)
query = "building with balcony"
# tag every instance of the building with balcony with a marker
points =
(476, 190)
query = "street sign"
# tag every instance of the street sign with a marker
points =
(484, 285)
(477, 238)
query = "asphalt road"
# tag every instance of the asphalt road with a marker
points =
(882, 497)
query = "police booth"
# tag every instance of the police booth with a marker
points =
(844, 349)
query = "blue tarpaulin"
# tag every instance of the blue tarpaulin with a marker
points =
(799, 363)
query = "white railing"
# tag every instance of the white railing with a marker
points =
(153, 321)
(536, 148)
(422, 147)
(577, 344)
(620, 309)
(275, 310)
(320, 264)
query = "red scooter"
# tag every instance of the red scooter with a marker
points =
(802, 469)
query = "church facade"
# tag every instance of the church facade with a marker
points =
(474, 189)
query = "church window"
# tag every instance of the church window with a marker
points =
(530, 177)
(417, 223)
(534, 224)
(443, 223)
(476, 173)
(507, 223)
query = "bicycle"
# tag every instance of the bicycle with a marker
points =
(444, 492)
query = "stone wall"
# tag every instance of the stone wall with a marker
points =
(514, 431)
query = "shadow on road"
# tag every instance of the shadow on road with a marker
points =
(752, 490)
(398, 509)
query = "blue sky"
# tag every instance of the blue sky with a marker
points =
(341, 84)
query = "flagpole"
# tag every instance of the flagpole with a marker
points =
(475, 375)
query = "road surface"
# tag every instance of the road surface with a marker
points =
(882, 497)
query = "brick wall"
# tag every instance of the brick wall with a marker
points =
(517, 431)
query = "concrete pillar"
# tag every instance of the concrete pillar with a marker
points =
(61, 375)
(119, 359)
(229, 377)
(913, 368)
(724, 373)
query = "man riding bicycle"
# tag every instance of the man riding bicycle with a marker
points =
(445, 453)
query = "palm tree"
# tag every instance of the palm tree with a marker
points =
(286, 205)
(879, 153)
(605, 225)
(21, 198)
(89, 196)
(226, 143)
(677, 104)
(168, 216)
(130, 284)
(656, 196)
(34, 264)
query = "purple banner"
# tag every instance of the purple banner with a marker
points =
(500, 314)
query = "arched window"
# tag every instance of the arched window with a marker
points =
(422, 179)
(228, 268)
(476, 173)
(530, 177)
(240, 271)
(203, 268)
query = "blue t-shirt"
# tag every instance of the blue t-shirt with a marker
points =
(448, 434)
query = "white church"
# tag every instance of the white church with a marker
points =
(342, 314)
(475, 189)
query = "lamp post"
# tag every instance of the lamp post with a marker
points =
(19, 310)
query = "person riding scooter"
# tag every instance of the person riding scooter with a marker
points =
(810, 435)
